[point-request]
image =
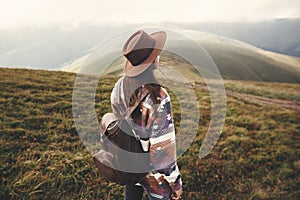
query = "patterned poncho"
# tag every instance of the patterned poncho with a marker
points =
(161, 133)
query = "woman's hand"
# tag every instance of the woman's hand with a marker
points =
(177, 194)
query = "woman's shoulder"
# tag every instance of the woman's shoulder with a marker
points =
(164, 94)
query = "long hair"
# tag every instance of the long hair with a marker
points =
(133, 86)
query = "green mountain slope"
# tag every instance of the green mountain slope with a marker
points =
(42, 157)
(241, 61)
(235, 60)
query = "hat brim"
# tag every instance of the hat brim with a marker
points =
(160, 38)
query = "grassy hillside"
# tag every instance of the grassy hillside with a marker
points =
(42, 157)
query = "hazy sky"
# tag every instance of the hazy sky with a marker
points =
(15, 13)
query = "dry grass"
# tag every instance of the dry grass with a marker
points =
(42, 157)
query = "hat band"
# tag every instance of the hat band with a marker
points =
(143, 59)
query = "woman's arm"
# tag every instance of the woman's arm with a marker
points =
(162, 142)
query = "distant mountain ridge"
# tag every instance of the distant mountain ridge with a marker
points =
(235, 59)
(279, 35)
(53, 46)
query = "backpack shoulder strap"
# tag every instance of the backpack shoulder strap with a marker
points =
(131, 109)
(135, 105)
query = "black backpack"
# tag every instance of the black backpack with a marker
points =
(121, 158)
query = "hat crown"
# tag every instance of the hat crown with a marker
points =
(139, 47)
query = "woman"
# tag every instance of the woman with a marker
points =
(152, 118)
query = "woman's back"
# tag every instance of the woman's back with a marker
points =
(152, 120)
